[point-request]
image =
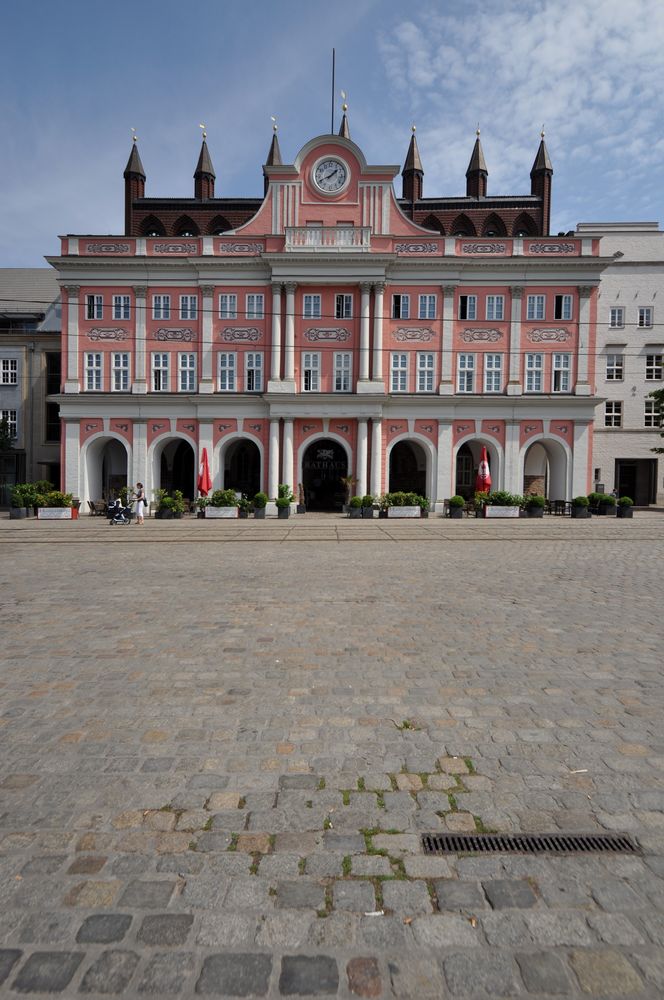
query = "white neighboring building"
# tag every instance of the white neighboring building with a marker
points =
(629, 363)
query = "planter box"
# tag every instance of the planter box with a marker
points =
(367, 511)
(283, 512)
(355, 513)
(580, 512)
(259, 513)
(301, 508)
(17, 513)
(221, 511)
(54, 513)
(535, 511)
(606, 510)
(625, 512)
(491, 511)
(456, 513)
(403, 511)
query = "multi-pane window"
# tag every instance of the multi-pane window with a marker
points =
(227, 306)
(495, 307)
(534, 372)
(426, 307)
(311, 305)
(255, 306)
(612, 413)
(161, 307)
(616, 316)
(645, 316)
(120, 307)
(187, 372)
(8, 371)
(493, 372)
(52, 426)
(343, 306)
(652, 416)
(342, 372)
(614, 367)
(562, 307)
(400, 306)
(535, 307)
(425, 370)
(120, 372)
(10, 417)
(227, 371)
(466, 373)
(399, 373)
(94, 307)
(188, 306)
(467, 307)
(160, 372)
(310, 371)
(561, 372)
(253, 370)
(653, 367)
(93, 371)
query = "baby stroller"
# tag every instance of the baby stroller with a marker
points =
(117, 514)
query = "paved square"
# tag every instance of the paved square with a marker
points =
(220, 743)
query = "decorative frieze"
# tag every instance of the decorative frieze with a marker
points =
(558, 336)
(107, 248)
(182, 334)
(552, 248)
(249, 248)
(477, 335)
(419, 334)
(483, 248)
(175, 247)
(416, 248)
(108, 333)
(207, 291)
(322, 333)
(140, 291)
(238, 334)
(72, 290)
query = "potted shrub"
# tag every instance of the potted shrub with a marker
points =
(17, 500)
(455, 507)
(535, 505)
(503, 504)
(594, 501)
(223, 503)
(245, 506)
(625, 505)
(179, 506)
(284, 500)
(41, 488)
(355, 508)
(367, 505)
(607, 505)
(159, 496)
(201, 504)
(580, 507)
(402, 504)
(424, 506)
(383, 504)
(260, 503)
(55, 506)
(166, 508)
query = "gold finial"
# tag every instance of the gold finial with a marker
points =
(413, 129)
(201, 126)
(134, 137)
(275, 127)
(542, 133)
(477, 130)
(344, 106)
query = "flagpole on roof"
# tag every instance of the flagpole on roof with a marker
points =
(333, 60)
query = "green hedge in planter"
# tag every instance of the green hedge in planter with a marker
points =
(260, 501)
(223, 498)
(501, 498)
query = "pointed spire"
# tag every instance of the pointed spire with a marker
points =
(134, 166)
(204, 174)
(413, 161)
(273, 155)
(412, 173)
(134, 182)
(344, 129)
(540, 183)
(542, 160)
(477, 173)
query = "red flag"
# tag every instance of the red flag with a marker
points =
(483, 479)
(204, 482)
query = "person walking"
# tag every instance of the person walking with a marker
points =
(139, 496)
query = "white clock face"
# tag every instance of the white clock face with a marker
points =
(330, 176)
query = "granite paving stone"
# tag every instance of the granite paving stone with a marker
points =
(166, 973)
(602, 972)
(110, 973)
(8, 959)
(307, 975)
(353, 895)
(244, 974)
(47, 971)
(544, 972)
(509, 894)
(469, 974)
(165, 929)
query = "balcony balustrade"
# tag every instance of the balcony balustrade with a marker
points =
(328, 239)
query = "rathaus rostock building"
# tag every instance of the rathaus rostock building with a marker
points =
(330, 328)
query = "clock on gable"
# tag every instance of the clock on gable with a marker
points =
(330, 175)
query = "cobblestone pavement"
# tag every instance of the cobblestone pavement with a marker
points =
(217, 757)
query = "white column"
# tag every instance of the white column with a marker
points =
(139, 384)
(275, 373)
(376, 456)
(582, 387)
(362, 455)
(514, 387)
(444, 486)
(580, 471)
(273, 460)
(512, 481)
(72, 381)
(379, 298)
(446, 387)
(206, 382)
(289, 358)
(288, 454)
(140, 473)
(73, 481)
(364, 332)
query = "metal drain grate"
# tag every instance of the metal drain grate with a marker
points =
(527, 843)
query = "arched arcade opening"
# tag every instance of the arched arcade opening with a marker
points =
(106, 468)
(324, 464)
(545, 470)
(174, 467)
(408, 468)
(242, 467)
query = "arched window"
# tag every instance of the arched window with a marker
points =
(494, 226)
(218, 226)
(432, 222)
(152, 227)
(185, 227)
(462, 226)
(524, 225)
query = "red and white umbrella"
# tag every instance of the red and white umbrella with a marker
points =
(483, 479)
(204, 482)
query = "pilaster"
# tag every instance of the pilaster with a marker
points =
(139, 385)
(376, 457)
(514, 387)
(273, 460)
(512, 481)
(379, 301)
(580, 470)
(206, 382)
(289, 353)
(444, 485)
(275, 370)
(364, 331)
(446, 387)
(582, 387)
(288, 479)
(72, 482)
(72, 381)
(362, 455)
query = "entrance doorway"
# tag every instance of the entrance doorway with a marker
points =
(324, 464)
(408, 468)
(637, 478)
(465, 473)
(177, 468)
(242, 467)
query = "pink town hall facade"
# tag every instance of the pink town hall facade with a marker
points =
(320, 332)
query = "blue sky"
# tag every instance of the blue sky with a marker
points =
(77, 75)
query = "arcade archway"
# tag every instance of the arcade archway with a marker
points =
(242, 467)
(408, 468)
(177, 468)
(324, 464)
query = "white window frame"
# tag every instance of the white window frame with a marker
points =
(426, 307)
(120, 362)
(615, 367)
(343, 371)
(160, 371)
(399, 372)
(400, 305)
(11, 416)
(617, 317)
(94, 371)
(495, 308)
(94, 306)
(561, 372)
(311, 371)
(613, 413)
(654, 367)
(311, 306)
(536, 307)
(468, 304)
(493, 372)
(228, 305)
(253, 371)
(161, 306)
(652, 414)
(343, 306)
(8, 371)
(645, 317)
(255, 305)
(534, 372)
(426, 371)
(465, 372)
(565, 309)
(189, 307)
(227, 371)
(121, 307)
(186, 372)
